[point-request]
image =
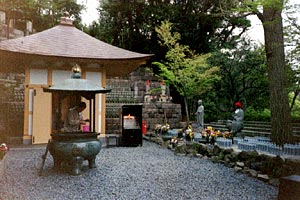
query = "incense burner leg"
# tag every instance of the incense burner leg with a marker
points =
(76, 165)
(92, 163)
(57, 164)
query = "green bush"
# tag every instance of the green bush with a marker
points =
(295, 114)
(257, 115)
(265, 115)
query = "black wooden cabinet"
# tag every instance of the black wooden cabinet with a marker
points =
(132, 125)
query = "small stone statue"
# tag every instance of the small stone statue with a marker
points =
(147, 86)
(136, 89)
(237, 122)
(238, 117)
(200, 115)
(163, 88)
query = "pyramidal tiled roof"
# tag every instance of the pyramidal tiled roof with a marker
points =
(65, 40)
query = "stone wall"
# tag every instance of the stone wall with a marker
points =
(155, 111)
(12, 107)
(160, 113)
(138, 80)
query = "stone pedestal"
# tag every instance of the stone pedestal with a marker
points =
(112, 140)
(289, 188)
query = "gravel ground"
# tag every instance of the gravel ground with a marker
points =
(147, 172)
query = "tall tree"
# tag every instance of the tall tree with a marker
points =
(18, 11)
(271, 17)
(292, 43)
(47, 14)
(189, 73)
(43, 14)
(203, 24)
(243, 73)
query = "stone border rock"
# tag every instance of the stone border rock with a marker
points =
(263, 167)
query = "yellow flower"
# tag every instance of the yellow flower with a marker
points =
(226, 134)
(218, 133)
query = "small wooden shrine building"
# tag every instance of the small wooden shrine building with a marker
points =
(47, 58)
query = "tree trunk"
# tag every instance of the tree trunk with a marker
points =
(186, 110)
(296, 93)
(279, 105)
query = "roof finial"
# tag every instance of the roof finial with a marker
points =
(66, 20)
(76, 72)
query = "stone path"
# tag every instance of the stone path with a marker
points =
(147, 172)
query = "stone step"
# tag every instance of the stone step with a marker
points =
(216, 125)
(254, 128)
(220, 127)
(128, 93)
(257, 122)
(255, 133)
(296, 126)
(266, 129)
(258, 125)
(121, 92)
(246, 124)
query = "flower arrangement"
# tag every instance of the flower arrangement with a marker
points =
(210, 134)
(188, 132)
(163, 129)
(227, 134)
(180, 133)
(3, 150)
(174, 142)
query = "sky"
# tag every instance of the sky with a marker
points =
(91, 12)
(255, 32)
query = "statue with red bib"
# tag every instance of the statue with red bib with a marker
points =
(236, 125)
